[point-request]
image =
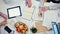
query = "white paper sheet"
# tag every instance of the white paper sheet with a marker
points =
(50, 16)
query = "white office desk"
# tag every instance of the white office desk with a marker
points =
(28, 23)
(13, 21)
(26, 13)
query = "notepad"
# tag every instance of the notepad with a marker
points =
(49, 16)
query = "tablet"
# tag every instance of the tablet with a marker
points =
(14, 12)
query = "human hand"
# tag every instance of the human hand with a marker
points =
(5, 19)
(42, 9)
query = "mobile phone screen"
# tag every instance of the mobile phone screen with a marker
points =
(8, 29)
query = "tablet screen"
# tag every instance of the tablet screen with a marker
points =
(14, 12)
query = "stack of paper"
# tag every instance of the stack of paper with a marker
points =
(27, 13)
(50, 16)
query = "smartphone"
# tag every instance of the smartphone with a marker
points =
(7, 29)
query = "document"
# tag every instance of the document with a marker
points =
(50, 16)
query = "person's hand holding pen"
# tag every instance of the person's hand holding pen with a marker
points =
(42, 9)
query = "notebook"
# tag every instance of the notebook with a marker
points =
(49, 16)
